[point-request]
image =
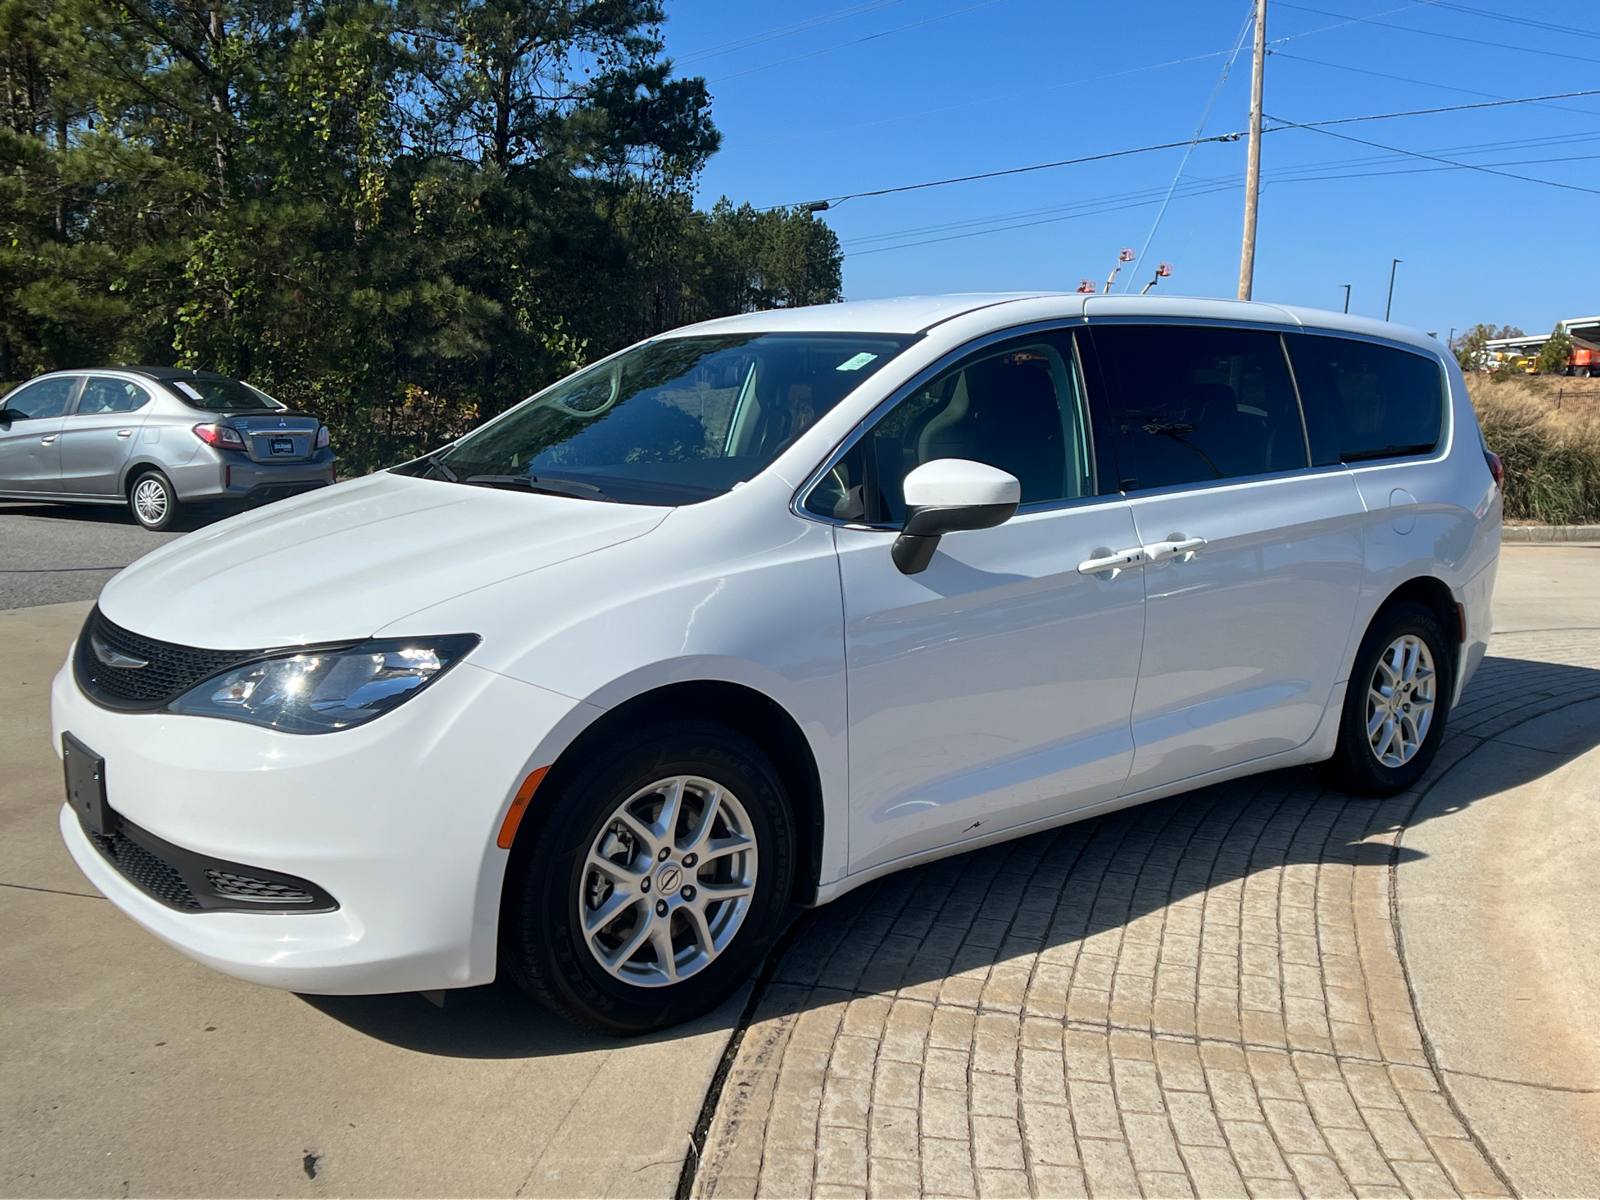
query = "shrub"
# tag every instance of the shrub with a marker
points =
(1552, 459)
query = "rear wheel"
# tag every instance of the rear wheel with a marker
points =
(656, 883)
(153, 501)
(1396, 703)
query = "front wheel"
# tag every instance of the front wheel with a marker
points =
(1396, 703)
(656, 883)
(153, 501)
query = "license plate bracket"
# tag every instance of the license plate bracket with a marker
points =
(86, 784)
(281, 445)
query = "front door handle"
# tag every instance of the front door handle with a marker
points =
(124, 433)
(46, 441)
(1108, 562)
(1176, 546)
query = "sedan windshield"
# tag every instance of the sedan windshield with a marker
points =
(667, 422)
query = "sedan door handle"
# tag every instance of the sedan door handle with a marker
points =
(1109, 562)
(1176, 546)
(124, 433)
(45, 441)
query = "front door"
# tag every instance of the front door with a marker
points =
(30, 451)
(1254, 560)
(993, 689)
(98, 437)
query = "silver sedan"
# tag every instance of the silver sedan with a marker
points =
(155, 439)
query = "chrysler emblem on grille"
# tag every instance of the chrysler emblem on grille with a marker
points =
(113, 658)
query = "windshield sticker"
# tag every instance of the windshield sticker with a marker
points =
(856, 362)
(187, 390)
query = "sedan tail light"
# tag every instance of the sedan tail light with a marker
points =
(322, 437)
(224, 437)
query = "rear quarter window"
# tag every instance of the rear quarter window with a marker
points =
(1365, 402)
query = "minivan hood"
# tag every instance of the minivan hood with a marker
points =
(345, 561)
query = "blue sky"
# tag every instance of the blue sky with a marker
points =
(880, 93)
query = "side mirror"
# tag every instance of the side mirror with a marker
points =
(7, 416)
(947, 495)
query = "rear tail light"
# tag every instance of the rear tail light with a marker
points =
(224, 437)
(322, 437)
(1496, 468)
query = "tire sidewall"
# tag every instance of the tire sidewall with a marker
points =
(547, 939)
(1360, 768)
(172, 501)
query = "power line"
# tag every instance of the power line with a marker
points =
(1446, 87)
(1317, 128)
(1454, 37)
(1205, 117)
(831, 201)
(1494, 16)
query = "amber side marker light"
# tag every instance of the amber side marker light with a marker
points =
(508, 828)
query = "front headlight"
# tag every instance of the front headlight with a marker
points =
(321, 691)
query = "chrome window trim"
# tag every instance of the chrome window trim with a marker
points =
(927, 375)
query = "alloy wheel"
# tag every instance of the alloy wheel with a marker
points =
(1401, 697)
(668, 881)
(150, 500)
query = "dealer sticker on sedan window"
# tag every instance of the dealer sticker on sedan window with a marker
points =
(855, 362)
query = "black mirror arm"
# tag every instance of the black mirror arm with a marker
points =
(913, 550)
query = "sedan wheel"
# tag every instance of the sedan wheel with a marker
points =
(154, 504)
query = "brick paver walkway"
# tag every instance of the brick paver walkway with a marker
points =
(1202, 995)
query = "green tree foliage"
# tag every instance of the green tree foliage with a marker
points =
(1554, 353)
(1472, 348)
(403, 215)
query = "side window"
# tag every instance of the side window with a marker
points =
(102, 395)
(1365, 401)
(1195, 403)
(47, 398)
(1016, 406)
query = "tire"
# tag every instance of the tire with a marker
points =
(153, 501)
(551, 941)
(1404, 642)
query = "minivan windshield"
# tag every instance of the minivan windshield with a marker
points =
(671, 421)
(218, 394)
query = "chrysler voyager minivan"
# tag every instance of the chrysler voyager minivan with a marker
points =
(748, 614)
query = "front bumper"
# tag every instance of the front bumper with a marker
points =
(396, 819)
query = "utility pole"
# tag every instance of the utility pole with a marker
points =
(1346, 288)
(1389, 307)
(1252, 181)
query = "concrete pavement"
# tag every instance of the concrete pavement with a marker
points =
(129, 1070)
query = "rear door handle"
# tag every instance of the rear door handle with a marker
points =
(124, 433)
(45, 441)
(1176, 546)
(1109, 562)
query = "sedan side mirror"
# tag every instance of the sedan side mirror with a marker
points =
(7, 416)
(947, 495)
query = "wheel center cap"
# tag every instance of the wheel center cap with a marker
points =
(668, 878)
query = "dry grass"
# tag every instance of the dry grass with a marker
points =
(1551, 454)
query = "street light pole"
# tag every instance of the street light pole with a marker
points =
(1346, 288)
(1389, 307)
(1252, 182)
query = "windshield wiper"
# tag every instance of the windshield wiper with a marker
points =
(542, 484)
(435, 462)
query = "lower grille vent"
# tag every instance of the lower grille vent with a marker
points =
(153, 876)
(266, 891)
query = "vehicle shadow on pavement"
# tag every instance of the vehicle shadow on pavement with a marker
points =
(493, 1021)
(1103, 876)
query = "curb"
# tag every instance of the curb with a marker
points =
(1550, 533)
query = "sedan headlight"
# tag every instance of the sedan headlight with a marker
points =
(320, 691)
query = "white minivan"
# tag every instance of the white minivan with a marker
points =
(753, 612)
